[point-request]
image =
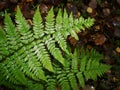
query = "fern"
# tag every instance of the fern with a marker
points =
(39, 56)
(71, 75)
(78, 69)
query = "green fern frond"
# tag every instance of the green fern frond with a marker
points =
(51, 83)
(32, 85)
(74, 62)
(83, 63)
(33, 64)
(9, 26)
(13, 39)
(81, 79)
(73, 81)
(63, 81)
(49, 24)
(23, 28)
(3, 45)
(53, 49)
(94, 69)
(88, 22)
(30, 54)
(38, 26)
(42, 55)
(61, 41)
(22, 24)
(79, 24)
(11, 73)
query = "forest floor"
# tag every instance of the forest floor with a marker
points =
(104, 35)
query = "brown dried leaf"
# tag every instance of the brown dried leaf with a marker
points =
(30, 22)
(99, 39)
(72, 40)
(106, 11)
(43, 8)
(97, 27)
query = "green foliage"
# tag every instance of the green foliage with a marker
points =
(38, 58)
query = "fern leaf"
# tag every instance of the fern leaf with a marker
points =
(93, 54)
(59, 27)
(63, 81)
(65, 32)
(65, 19)
(73, 81)
(83, 64)
(73, 34)
(22, 24)
(9, 26)
(42, 55)
(38, 26)
(2, 35)
(59, 18)
(75, 59)
(12, 74)
(51, 84)
(33, 65)
(49, 24)
(12, 35)
(53, 50)
(68, 26)
(78, 24)
(89, 22)
(61, 41)
(81, 79)
(32, 85)
(95, 69)
(23, 28)
(83, 59)
(3, 45)
(11, 85)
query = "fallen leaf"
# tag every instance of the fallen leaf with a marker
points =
(30, 22)
(99, 39)
(97, 27)
(72, 40)
(89, 10)
(43, 8)
(106, 11)
(89, 47)
(117, 49)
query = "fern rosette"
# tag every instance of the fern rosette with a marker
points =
(35, 58)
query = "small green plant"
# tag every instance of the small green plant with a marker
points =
(38, 58)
